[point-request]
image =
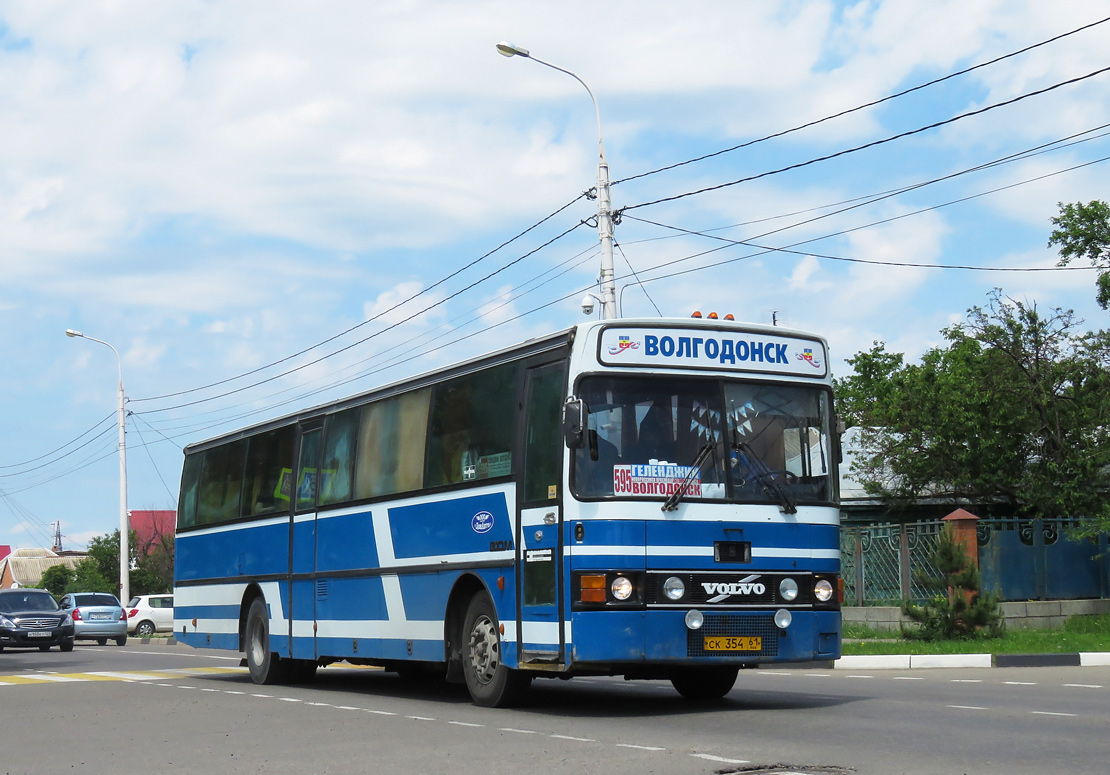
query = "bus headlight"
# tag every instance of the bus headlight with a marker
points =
(788, 589)
(694, 619)
(621, 588)
(783, 618)
(673, 588)
(823, 590)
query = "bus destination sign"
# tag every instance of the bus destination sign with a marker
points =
(707, 348)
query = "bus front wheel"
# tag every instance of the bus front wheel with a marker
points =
(491, 684)
(265, 666)
(704, 683)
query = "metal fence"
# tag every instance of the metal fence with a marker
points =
(885, 564)
(889, 563)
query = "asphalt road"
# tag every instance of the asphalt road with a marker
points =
(156, 707)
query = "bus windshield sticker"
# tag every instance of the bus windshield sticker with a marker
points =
(700, 348)
(482, 522)
(659, 478)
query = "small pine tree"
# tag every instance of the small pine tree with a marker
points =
(964, 613)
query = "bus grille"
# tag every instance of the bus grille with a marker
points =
(760, 626)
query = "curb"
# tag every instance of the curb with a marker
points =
(911, 661)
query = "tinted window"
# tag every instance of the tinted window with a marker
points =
(543, 447)
(472, 423)
(13, 602)
(190, 484)
(338, 457)
(96, 599)
(391, 445)
(269, 475)
(221, 482)
(308, 473)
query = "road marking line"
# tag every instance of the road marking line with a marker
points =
(967, 680)
(380, 712)
(465, 724)
(230, 691)
(908, 678)
(521, 731)
(267, 696)
(965, 707)
(640, 747)
(1019, 683)
(768, 672)
(712, 758)
(1050, 713)
(1084, 686)
(817, 675)
(319, 704)
(859, 676)
(183, 686)
(575, 739)
(420, 718)
(289, 699)
(347, 707)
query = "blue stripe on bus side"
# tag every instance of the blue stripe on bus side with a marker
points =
(230, 612)
(457, 526)
(346, 542)
(257, 550)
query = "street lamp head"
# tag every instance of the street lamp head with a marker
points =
(507, 49)
(71, 332)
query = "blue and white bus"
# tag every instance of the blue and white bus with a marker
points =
(639, 497)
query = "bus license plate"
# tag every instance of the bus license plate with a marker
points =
(721, 643)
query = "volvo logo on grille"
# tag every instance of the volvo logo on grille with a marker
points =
(723, 590)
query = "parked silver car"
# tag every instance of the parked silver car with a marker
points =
(96, 616)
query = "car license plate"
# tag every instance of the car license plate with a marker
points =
(100, 616)
(46, 634)
(721, 643)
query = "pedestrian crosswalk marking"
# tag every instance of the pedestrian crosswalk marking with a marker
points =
(109, 675)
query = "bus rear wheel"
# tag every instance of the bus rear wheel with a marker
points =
(265, 666)
(491, 684)
(701, 684)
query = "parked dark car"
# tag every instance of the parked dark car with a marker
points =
(30, 618)
(96, 616)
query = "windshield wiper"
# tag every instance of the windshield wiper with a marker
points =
(766, 478)
(695, 470)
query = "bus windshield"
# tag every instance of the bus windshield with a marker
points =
(767, 442)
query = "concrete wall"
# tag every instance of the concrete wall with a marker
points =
(1036, 613)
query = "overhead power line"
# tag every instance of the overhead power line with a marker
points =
(864, 106)
(380, 315)
(871, 144)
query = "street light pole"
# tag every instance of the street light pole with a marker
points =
(124, 527)
(604, 208)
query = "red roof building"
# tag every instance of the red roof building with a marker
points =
(150, 527)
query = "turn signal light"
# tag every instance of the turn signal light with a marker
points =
(592, 588)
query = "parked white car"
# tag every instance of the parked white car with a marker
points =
(147, 614)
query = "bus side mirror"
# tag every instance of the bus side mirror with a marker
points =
(574, 422)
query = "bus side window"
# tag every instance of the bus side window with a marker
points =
(471, 432)
(269, 478)
(190, 485)
(221, 483)
(338, 458)
(391, 445)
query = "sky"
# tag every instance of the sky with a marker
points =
(264, 205)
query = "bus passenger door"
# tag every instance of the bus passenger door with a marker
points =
(302, 554)
(539, 553)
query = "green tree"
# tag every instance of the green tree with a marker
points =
(104, 554)
(1083, 231)
(963, 612)
(88, 577)
(1014, 410)
(153, 573)
(56, 579)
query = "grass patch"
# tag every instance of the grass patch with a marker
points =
(1079, 633)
